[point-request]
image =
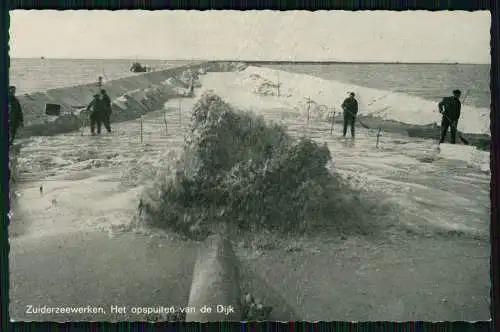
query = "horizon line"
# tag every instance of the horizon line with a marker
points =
(268, 61)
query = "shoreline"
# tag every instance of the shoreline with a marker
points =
(131, 96)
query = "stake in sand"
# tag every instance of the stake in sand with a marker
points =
(142, 128)
(308, 109)
(278, 74)
(378, 136)
(165, 122)
(180, 113)
(333, 120)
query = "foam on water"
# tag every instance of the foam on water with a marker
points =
(103, 175)
(445, 192)
(244, 89)
(457, 184)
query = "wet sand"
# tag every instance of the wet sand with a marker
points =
(63, 251)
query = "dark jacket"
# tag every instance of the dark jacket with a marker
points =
(350, 106)
(450, 108)
(96, 107)
(15, 111)
(106, 104)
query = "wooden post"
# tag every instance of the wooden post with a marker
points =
(335, 116)
(378, 136)
(191, 87)
(165, 121)
(83, 122)
(180, 113)
(278, 73)
(142, 139)
(308, 108)
(333, 121)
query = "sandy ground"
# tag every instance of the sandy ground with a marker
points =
(71, 242)
(406, 277)
(88, 268)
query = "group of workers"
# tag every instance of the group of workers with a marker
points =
(100, 112)
(449, 108)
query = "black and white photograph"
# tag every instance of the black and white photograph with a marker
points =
(249, 165)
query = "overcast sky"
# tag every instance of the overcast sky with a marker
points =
(412, 36)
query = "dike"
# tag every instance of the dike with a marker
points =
(131, 97)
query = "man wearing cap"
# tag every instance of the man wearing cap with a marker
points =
(16, 118)
(96, 114)
(450, 108)
(350, 107)
(106, 110)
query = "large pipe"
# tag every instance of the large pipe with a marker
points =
(215, 283)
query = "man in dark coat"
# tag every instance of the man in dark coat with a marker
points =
(16, 118)
(450, 108)
(96, 114)
(106, 105)
(350, 107)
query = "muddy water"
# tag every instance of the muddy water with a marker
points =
(61, 154)
(428, 192)
(431, 192)
(79, 173)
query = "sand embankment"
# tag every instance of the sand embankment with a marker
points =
(131, 97)
(390, 111)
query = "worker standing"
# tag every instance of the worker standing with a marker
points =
(350, 107)
(450, 108)
(96, 114)
(106, 110)
(16, 118)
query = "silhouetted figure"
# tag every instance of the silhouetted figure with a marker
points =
(16, 118)
(191, 89)
(140, 207)
(450, 108)
(106, 107)
(350, 107)
(96, 114)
